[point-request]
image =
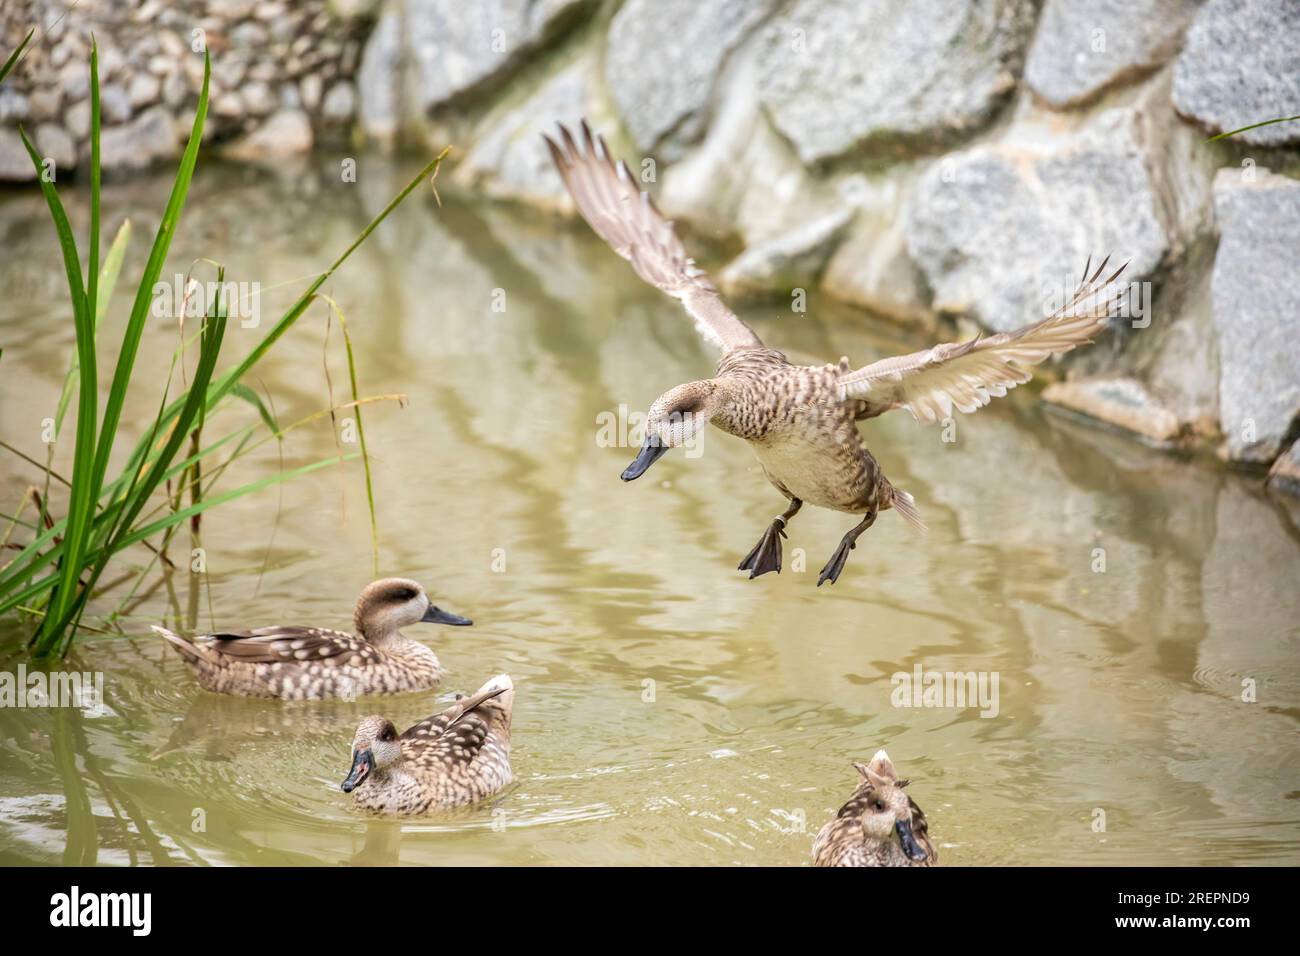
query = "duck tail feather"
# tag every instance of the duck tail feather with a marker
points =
(188, 650)
(497, 694)
(905, 505)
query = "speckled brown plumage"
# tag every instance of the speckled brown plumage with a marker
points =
(800, 419)
(313, 663)
(806, 439)
(878, 826)
(454, 758)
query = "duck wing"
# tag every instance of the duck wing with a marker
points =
(968, 375)
(456, 736)
(283, 644)
(625, 217)
(921, 831)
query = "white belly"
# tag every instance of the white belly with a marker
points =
(807, 472)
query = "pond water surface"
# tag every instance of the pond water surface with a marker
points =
(669, 710)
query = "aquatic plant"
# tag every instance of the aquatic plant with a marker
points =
(16, 55)
(55, 573)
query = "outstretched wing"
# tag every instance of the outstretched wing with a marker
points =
(626, 218)
(274, 645)
(968, 375)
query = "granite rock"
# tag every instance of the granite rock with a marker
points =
(1255, 303)
(840, 76)
(1241, 65)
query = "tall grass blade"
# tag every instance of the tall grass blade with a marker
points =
(144, 292)
(246, 394)
(81, 502)
(107, 283)
(92, 254)
(1234, 132)
(64, 562)
(13, 57)
(227, 380)
(138, 494)
(176, 517)
(361, 432)
(84, 492)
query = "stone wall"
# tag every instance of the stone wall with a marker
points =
(934, 161)
(282, 73)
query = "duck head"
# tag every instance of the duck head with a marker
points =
(888, 811)
(675, 420)
(375, 748)
(386, 606)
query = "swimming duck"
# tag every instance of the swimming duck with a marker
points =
(448, 760)
(313, 663)
(879, 826)
(801, 419)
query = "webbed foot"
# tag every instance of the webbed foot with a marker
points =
(836, 564)
(766, 555)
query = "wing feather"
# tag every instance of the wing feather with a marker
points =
(457, 734)
(968, 375)
(608, 197)
(283, 644)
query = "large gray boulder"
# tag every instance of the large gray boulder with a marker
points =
(841, 75)
(458, 48)
(379, 78)
(1081, 49)
(15, 165)
(1001, 231)
(1178, 358)
(743, 178)
(871, 267)
(15, 107)
(792, 260)
(509, 159)
(55, 144)
(662, 59)
(150, 137)
(1241, 65)
(1123, 402)
(1256, 300)
(283, 134)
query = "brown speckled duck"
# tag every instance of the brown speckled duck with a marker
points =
(313, 663)
(451, 759)
(879, 826)
(801, 419)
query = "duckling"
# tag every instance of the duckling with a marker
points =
(863, 832)
(451, 759)
(801, 419)
(313, 663)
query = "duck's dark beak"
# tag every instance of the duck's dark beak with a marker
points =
(913, 849)
(436, 615)
(651, 452)
(363, 761)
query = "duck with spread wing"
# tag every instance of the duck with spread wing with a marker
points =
(801, 420)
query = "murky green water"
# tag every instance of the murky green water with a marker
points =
(1120, 692)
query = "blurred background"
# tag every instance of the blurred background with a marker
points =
(919, 160)
(861, 178)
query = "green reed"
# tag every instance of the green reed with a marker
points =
(56, 572)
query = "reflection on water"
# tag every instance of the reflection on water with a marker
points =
(669, 710)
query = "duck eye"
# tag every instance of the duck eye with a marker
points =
(878, 805)
(404, 594)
